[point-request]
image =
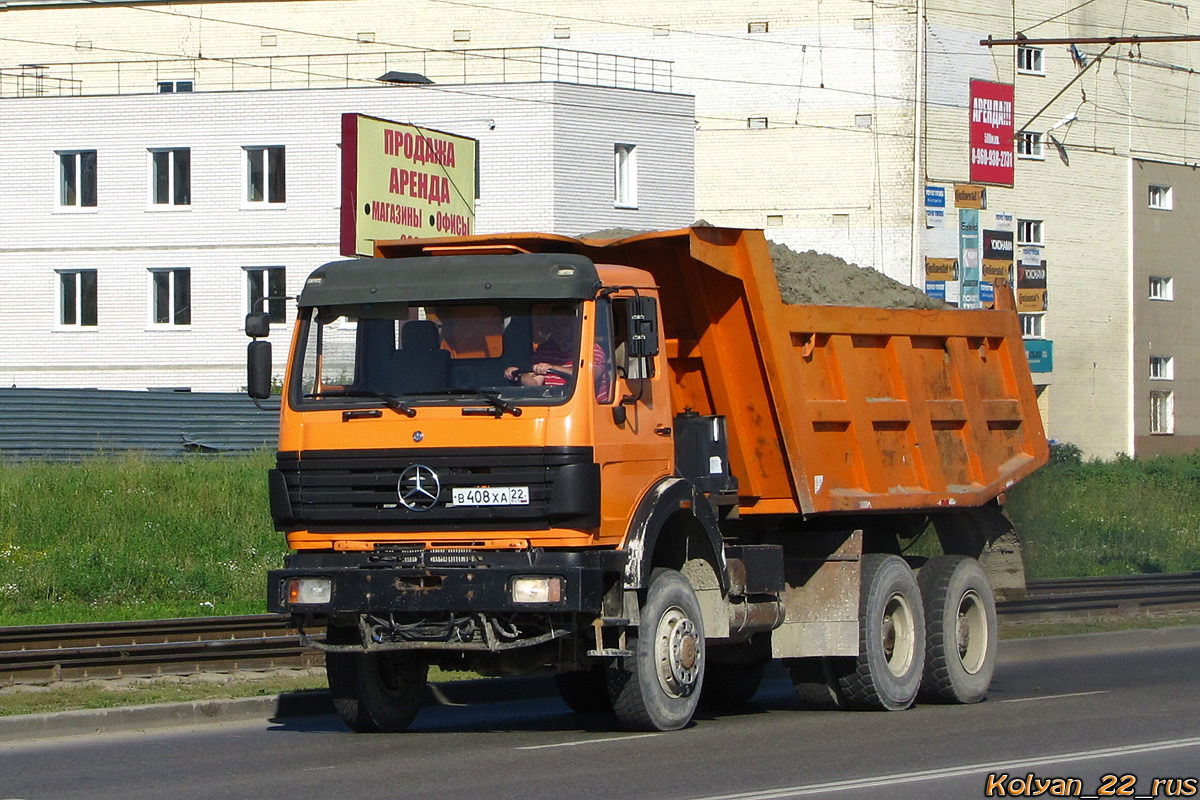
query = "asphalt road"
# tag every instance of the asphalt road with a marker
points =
(1080, 707)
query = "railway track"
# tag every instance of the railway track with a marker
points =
(42, 653)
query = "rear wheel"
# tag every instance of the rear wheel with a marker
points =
(887, 672)
(657, 689)
(374, 692)
(960, 630)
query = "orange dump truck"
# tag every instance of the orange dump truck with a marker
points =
(628, 463)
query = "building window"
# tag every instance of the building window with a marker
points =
(77, 298)
(266, 291)
(1033, 326)
(172, 296)
(77, 179)
(1162, 368)
(756, 123)
(1029, 60)
(1161, 198)
(863, 120)
(1029, 231)
(1162, 412)
(758, 27)
(265, 175)
(169, 87)
(1162, 288)
(1029, 145)
(625, 176)
(171, 177)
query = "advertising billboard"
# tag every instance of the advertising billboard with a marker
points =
(992, 133)
(403, 182)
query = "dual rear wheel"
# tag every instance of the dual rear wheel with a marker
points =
(932, 636)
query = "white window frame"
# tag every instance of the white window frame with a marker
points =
(1162, 412)
(625, 176)
(1030, 232)
(1162, 368)
(172, 284)
(76, 279)
(76, 185)
(258, 283)
(1160, 197)
(272, 181)
(172, 166)
(180, 86)
(1162, 287)
(1030, 60)
(1033, 326)
(1029, 146)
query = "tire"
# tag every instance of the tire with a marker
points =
(816, 681)
(886, 675)
(657, 689)
(729, 686)
(374, 692)
(584, 691)
(960, 630)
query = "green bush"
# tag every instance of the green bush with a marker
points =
(1119, 517)
(131, 537)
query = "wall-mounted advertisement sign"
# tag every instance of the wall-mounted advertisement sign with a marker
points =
(403, 182)
(935, 206)
(1031, 286)
(991, 133)
(968, 195)
(968, 256)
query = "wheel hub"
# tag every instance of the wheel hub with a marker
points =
(677, 648)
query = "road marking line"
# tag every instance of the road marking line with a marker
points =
(955, 772)
(1053, 696)
(589, 741)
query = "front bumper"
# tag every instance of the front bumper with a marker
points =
(458, 582)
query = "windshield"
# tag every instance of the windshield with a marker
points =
(514, 352)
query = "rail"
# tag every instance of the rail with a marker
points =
(42, 653)
(338, 71)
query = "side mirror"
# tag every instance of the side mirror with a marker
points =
(643, 327)
(258, 324)
(258, 369)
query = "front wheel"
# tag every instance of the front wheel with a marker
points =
(887, 672)
(374, 692)
(657, 689)
(960, 630)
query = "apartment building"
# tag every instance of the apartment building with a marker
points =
(139, 229)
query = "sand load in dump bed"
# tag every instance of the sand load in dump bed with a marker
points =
(820, 279)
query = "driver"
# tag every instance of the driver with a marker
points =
(553, 355)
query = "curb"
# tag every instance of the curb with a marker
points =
(27, 727)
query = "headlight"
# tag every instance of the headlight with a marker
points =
(537, 589)
(309, 591)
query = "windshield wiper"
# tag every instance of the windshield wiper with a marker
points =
(499, 406)
(391, 401)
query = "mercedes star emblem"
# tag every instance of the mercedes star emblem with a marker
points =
(419, 488)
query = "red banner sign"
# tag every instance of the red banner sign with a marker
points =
(992, 133)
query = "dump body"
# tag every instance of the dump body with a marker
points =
(828, 408)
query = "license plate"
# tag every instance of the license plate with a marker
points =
(491, 496)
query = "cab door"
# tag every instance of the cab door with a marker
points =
(631, 417)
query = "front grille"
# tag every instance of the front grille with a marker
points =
(349, 490)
